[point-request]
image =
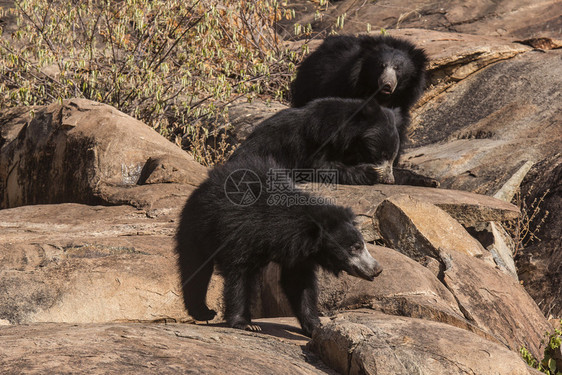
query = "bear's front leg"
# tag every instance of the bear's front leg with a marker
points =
(238, 291)
(299, 284)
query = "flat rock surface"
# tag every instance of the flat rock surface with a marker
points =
(365, 342)
(78, 263)
(153, 349)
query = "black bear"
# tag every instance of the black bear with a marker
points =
(357, 138)
(391, 69)
(230, 222)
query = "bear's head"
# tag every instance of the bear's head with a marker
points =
(341, 245)
(390, 70)
(391, 66)
(380, 142)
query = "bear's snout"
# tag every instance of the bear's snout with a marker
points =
(363, 265)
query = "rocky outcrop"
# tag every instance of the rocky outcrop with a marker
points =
(154, 349)
(420, 229)
(482, 131)
(486, 127)
(76, 263)
(467, 208)
(86, 152)
(114, 262)
(363, 342)
(518, 19)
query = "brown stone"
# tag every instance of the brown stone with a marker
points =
(420, 229)
(478, 135)
(467, 208)
(404, 288)
(519, 19)
(154, 349)
(76, 151)
(78, 263)
(495, 302)
(366, 342)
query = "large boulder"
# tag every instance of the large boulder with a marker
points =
(488, 125)
(495, 302)
(404, 288)
(483, 131)
(364, 342)
(86, 152)
(420, 229)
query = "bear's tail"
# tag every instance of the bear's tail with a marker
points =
(196, 272)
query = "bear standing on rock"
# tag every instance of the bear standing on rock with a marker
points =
(230, 221)
(344, 66)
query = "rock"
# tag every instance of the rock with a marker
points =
(244, 116)
(404, 288)
(455, 56)
(84, 152)
(152, 349)
(499, 243)
(500, 122)
(540, 263)
(78, 263)
(495, 302)
(520, 19)
(365, 342)
(419, 229)
(511, 187)
(467, 208)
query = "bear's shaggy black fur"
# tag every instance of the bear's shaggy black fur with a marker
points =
(220, 226)
(359, 139)
(346, 66)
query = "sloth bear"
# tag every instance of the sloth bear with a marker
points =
(357, 138)
(391, 69)
(218, 226)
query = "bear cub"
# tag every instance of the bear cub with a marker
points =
(229, 222)
(359, 139)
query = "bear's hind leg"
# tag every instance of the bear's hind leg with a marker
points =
(299, 284)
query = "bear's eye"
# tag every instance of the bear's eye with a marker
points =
(383, 65)
(358, 246)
